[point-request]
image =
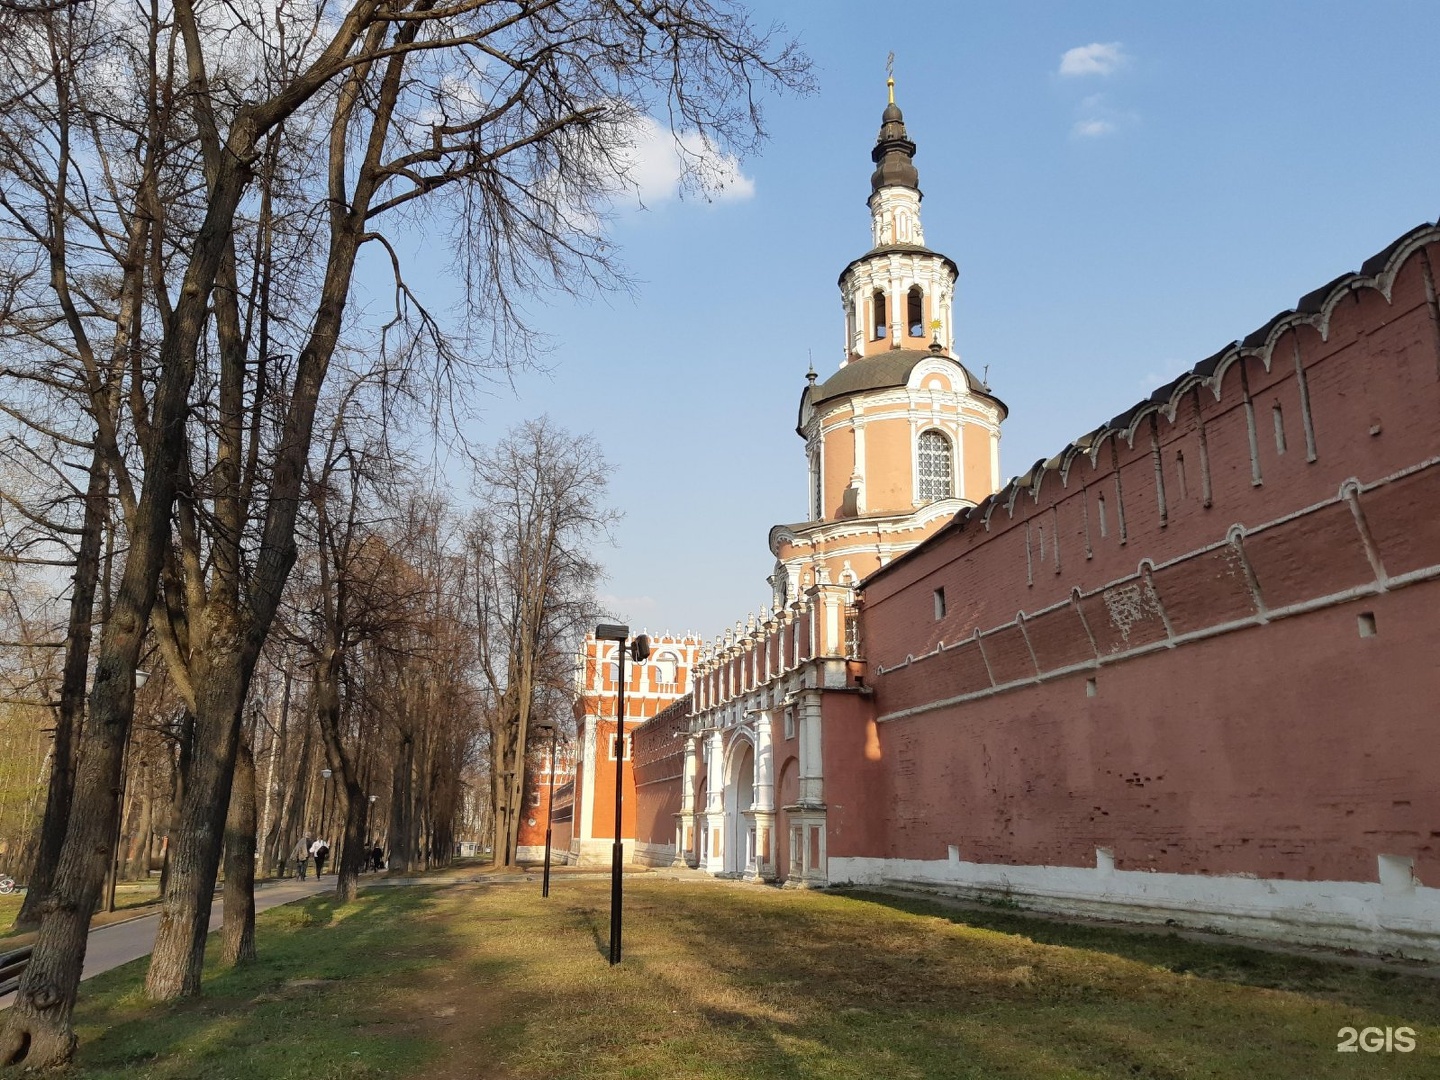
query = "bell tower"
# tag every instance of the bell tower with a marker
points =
(900, 294)
(903, 435)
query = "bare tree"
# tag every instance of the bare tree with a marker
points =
(541, 509)
(509, 118)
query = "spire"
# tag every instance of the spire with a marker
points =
(894, 152)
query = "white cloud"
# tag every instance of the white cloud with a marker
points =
(1092, 59)
(659, 166)
(1092, 129)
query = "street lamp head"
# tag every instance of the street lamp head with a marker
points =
(611, 632)
(640, 648)
(327, 773)
(544, 727)
(373, 798)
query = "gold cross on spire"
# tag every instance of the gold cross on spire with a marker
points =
(890, 75)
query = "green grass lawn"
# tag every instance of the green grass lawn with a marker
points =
(722, 982)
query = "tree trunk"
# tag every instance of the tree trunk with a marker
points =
(136, 863)
(179, 956)
(38, 1029)
(352, 853)
(177, 794)
(239, 930)
(294, 827)
(402, 803)
(275, 851)
(72, 696)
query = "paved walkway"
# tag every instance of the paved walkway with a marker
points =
(119, 943)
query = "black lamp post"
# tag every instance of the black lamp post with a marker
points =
(639, 650)
(369, 826)
(325, 775)
(549, 725)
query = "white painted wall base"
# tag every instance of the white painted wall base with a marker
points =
(533, 853)
(598, 852)
(654, 854)
(1334, 914)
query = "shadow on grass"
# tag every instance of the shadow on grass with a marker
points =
(311, 1006)
(1382, 989)
(729, 983)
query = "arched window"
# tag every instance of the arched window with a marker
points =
(881, 322)
(915, 312)
(665, 669)
(935, 470)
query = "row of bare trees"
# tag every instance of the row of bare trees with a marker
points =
(198, 423)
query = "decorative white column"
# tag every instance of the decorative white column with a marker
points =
(713, 842)
(812, 769)
(685, 819)
(764, 810)
(585, 825)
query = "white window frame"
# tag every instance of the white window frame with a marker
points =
(950, 442)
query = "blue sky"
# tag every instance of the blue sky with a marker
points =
(1116, 217)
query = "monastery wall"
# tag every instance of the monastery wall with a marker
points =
(659, 776)
(1190, 660)
(542, 803)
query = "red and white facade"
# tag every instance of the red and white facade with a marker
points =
(1184, 671)
(588, 804)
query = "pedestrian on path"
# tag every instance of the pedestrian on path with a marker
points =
(321, 850)
(300, 855)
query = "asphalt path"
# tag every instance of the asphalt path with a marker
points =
(119, 943)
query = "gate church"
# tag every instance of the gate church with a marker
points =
(1180, 672)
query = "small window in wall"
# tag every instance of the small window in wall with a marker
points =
(939, 604)
(1279, 429)
(935, 469)
(629, 741)
(1180, 473)
(534, 798)
(1104, 529)
(915, 311)
(789, 723)
(881, 319)
(852, 632)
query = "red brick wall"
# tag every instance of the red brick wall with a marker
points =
(536, 798)
(1291, 747)
(659, 771)
(1376, 370)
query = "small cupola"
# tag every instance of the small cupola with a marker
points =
(894, 153)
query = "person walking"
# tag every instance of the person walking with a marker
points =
(300, 855)
(320, 850)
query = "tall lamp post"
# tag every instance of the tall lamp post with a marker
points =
(639, 650)
(542, 726)
(325, 775)
(369, 824)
